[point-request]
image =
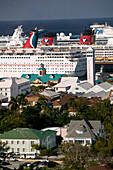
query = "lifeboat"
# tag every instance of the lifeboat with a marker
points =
(110, 58)
(99, 58)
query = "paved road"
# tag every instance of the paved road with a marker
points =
(16, 164)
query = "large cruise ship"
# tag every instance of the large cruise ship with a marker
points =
(58, 53)
(15, 61)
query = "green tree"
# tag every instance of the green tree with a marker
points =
(38, 147)
(13, 104)
(3, 147)
(63, 119)
(76, 156)
(22, 100)
(13, 121)
(32, 117)
(43, 101)
(82, 104)
(72, 104)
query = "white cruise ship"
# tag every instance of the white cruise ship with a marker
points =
(56, 58)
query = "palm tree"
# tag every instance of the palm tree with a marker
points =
(13, 104)
(72, 103)
(22, 100)
(43, 101)
(38, 105)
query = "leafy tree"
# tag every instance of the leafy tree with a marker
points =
(22, 100)
(51, 84)
(72, 104)
(38, 105)
(32, 117)
(76, 156)
(13, 104)
(82, 104)
(103, 149)
(63, 119)
(43, 101)
(38, 147)
(36, 89)
(48, 152)
(12, 121)
(3, 147)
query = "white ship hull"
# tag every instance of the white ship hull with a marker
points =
(56, 62)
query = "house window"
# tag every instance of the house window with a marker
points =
(12, 149)
(12, 142)
(23, 149)
(70, 141)
(79, 141)
(18, 149)
(23, 142)
(17, 142)
(7, 142)
(87, 141)
(32, 142)
(32, 150)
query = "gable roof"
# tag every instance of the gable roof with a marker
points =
(35, 97)
(85, 85)
(89, 128)
(62, 101)
(67, 81)
(105, 85)
(26, 133)
(102, 94)
(50, 94)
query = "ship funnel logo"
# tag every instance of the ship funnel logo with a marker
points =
(84, 40)
(46, 40)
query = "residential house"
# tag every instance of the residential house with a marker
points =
(61, 131)
(51, 94)
(66, 83)
(84, 131)
(33, 98)
(80, 88)
(62, 101)
(105, 86)
(102, 95)
(14, 86)
(20, 139)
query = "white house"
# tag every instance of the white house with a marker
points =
(14, 86)
(84, 131)
(21, 139)
(105, 86)
(66, 83)
(80, 88)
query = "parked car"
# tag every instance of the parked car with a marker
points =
(12, 159)
(1, 158)
(27, 164)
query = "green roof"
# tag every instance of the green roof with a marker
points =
(45, 78)
(26, 133)
(98, 81)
